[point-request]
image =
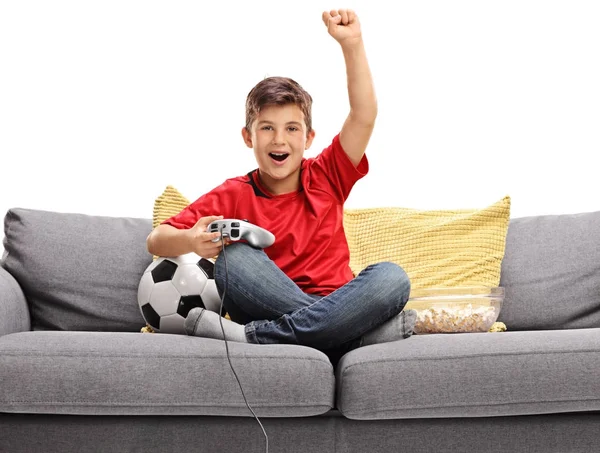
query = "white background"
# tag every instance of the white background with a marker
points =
(105, 103)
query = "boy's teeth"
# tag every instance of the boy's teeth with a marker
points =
(280, 157)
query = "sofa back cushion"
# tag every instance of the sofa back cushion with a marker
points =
(78, 272)
(551, 272)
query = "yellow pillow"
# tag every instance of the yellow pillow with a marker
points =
(444, 248)
(168, 204)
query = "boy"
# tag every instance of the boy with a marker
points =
(300, 290)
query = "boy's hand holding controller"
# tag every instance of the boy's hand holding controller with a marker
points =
(203, 241)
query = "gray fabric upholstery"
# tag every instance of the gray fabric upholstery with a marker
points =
(167, 434)
(135, 373)
(78, 272)
(551, 272)
(472, 375)
(14, 313)
(554, 433)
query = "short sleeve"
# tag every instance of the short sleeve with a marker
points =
(333, 171)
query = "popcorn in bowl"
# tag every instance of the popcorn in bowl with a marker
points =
(456, 310)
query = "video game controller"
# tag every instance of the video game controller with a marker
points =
(235, 230)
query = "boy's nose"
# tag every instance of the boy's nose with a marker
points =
(278, 138)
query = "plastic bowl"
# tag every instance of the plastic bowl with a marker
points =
(456, 310)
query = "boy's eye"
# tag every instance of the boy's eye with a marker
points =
(292, 128)
(267, 128)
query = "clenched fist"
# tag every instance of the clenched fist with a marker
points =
(343, 25)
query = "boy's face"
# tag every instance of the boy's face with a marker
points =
(279, 139)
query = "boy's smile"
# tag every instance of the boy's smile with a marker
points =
(279, 158)
(279, 139)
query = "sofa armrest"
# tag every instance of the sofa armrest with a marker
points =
(14, 312)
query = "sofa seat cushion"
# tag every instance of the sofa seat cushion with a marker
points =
(472, 375)
(132, 374)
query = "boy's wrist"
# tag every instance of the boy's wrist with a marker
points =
(189, 239)
(351, 45)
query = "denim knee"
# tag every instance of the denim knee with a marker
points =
(401, 281)
(236, 255)
(393, 282)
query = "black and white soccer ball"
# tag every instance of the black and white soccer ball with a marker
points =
(171, 286)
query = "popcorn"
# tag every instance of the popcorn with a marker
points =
(455, 319)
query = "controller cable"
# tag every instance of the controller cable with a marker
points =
(227, 347)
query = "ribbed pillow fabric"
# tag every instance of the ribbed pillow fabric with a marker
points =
(436, 248)
(168, 204)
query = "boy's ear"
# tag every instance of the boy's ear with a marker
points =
(309, 139)
(247, 137)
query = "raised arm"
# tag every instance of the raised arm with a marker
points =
(344, 26)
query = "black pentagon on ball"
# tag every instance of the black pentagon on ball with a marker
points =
(164, 271)
(208, 267)
(151, 317)
(186, 303)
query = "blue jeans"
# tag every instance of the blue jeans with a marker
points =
(275, 310)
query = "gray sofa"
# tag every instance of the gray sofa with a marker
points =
(77, 375)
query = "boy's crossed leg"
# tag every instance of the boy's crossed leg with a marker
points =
(369, 307)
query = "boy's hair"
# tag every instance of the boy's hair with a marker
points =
(278, 91)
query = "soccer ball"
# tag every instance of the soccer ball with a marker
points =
(171, 286)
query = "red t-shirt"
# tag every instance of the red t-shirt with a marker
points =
(310, 244)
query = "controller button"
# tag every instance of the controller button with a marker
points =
(235, 224)
(214, 227)
(235, 233)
